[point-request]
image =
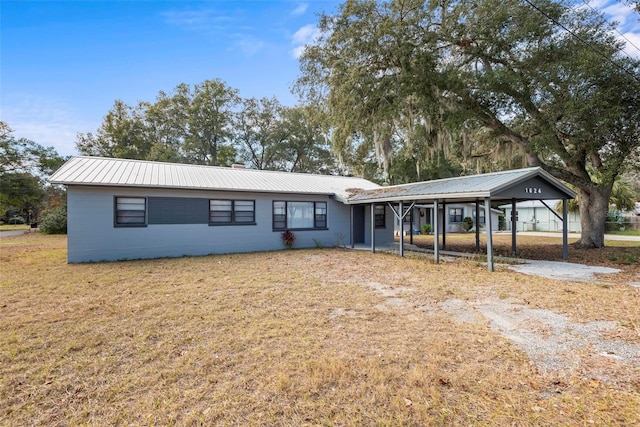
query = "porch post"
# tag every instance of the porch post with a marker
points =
(436, 243)
(352, 240)
(565, 230)
(373, 228)
(411, 226)
(514, 224)
(444, 225)
(401, 209)
(487, 217)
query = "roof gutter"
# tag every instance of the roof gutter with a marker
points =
(422, 197)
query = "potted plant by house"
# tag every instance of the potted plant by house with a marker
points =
(288, 238)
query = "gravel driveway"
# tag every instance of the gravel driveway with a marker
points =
(553, 342)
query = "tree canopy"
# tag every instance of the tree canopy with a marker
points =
(491, 83)
(24, 167)
(209, 123)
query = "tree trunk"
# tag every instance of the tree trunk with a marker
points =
(594, 208)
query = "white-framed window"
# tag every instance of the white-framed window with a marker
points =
(232, 212)
(456, 214)
(299, 215)
(130, 211)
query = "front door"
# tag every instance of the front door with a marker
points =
(358, 224)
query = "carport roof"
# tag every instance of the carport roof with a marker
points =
(530, 183)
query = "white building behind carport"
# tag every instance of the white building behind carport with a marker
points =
(541, 215)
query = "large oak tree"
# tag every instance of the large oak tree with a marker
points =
(547, 79)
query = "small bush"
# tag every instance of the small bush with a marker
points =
(467, 223)
(426, 229)
(288, 238)
(55, 221)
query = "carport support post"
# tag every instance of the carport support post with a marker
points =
(487, 216)
(351, 225)
(373, 228)
(401, 210)
(565, 231)
(513, 226)
(477, 226)
(436, 243)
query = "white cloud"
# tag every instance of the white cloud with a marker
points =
(615, 11)
(297, 52)
(306, 35)
(628, 23)
(632, 48)
(44, 121)
(301, 9)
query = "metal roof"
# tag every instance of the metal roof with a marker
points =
(100, 171)
(462, 188)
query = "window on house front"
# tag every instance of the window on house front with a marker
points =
(299, 215)
(456, 214)
(380, 216)
(232, 212)
(130, 211)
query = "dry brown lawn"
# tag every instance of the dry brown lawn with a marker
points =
(296, 337)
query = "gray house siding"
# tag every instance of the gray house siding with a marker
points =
(92, 235)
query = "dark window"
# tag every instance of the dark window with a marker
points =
(130, 211)
(455, 214)
(380, 216)
(299, 215)
(321, 215)
(232, 212)
(279, 215)
(177, 210)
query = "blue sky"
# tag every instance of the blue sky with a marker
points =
(64, 63)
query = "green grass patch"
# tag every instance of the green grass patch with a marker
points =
(628, 232)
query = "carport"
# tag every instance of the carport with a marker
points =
(514, 185)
